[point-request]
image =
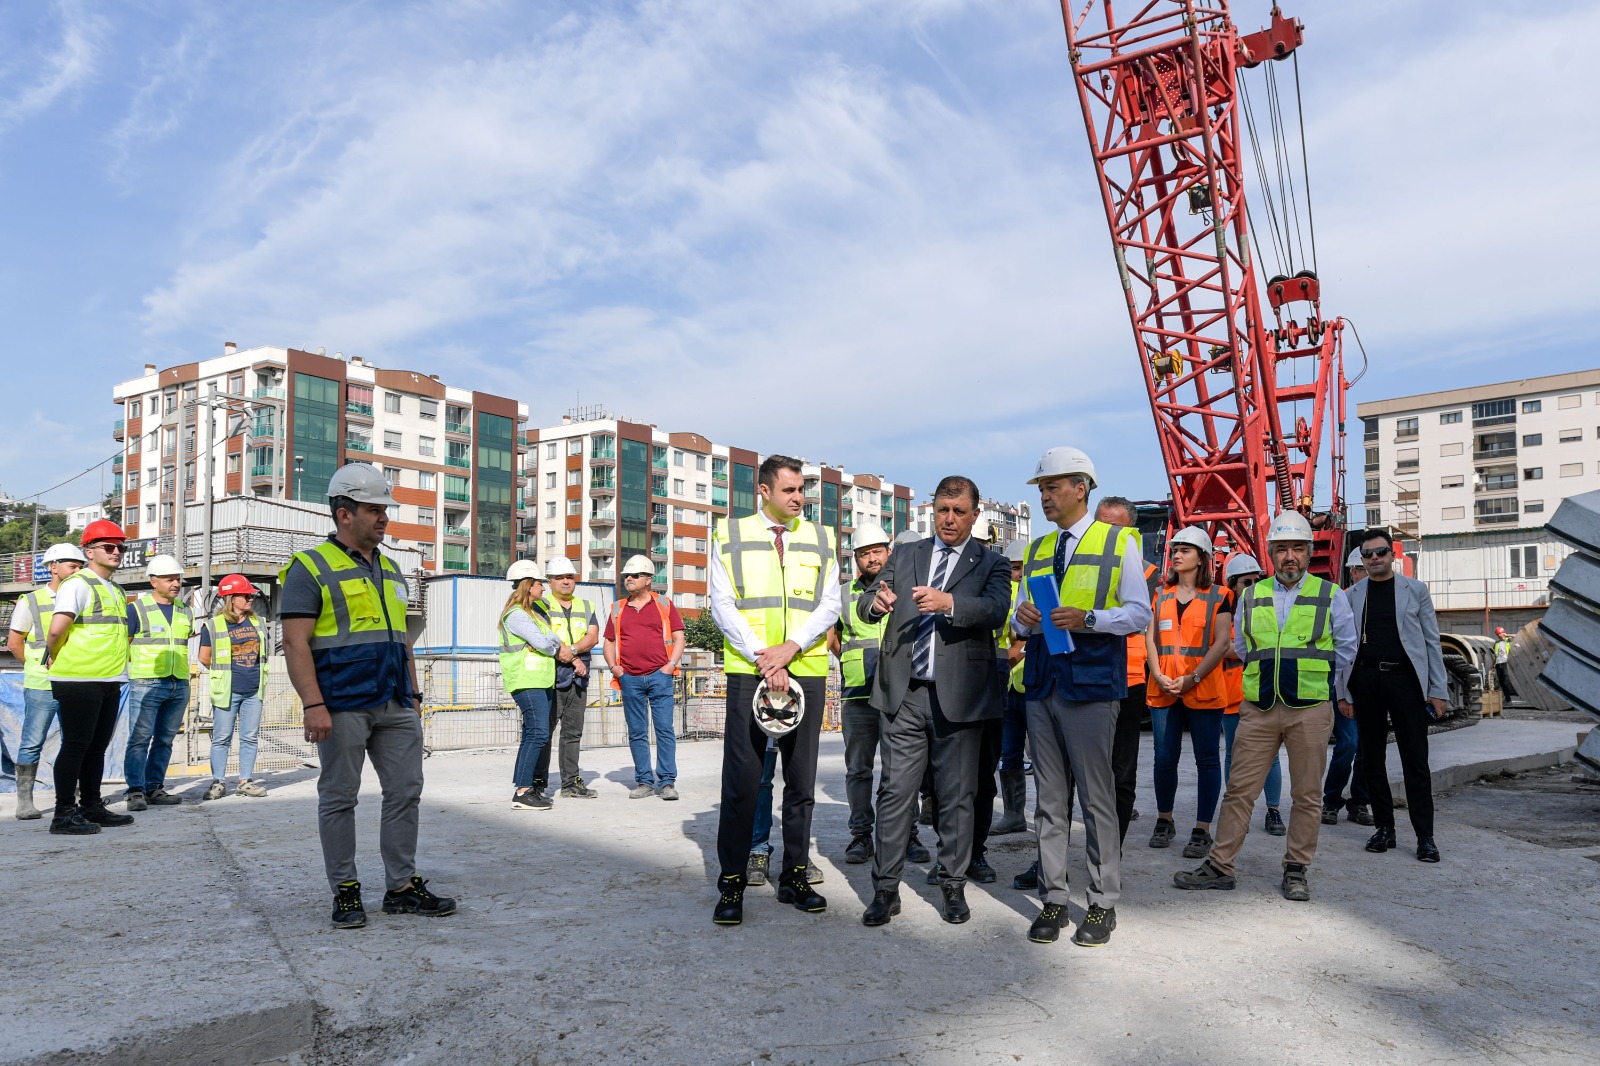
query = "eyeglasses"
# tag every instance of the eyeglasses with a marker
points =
(108, 546)
(1374, 553)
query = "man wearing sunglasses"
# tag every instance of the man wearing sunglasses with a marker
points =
(1399, 680)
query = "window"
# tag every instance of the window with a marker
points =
(550, 509)
(425, 516)
(1497, 480)
(574, 536)
(1494, 412)
(149, 513)
(1450, 514)
(677, 457)
(1369, 431)
(133, 475)
(574, 507)
(550, 479)
(166, 518)
(357, 440)
(658, 484)
(425, 548)
(1532, 440)
(575, 446)
(700, 545)
(1532, 407)
(1523, 560)
(699, 462)
(1449, 418)
(677, 483)
(458, 453)
(1407, 459)
(391, 403)
(1532, 473)
(550, 538)
(1494, 445)
(1497, 511)
(134, 408)
(425, 445)
(1533, 507)
(1570, 435)
(391, 474)
(550, 449)
(425, 480)
(1374, 490)
(574, 477)
(392, 440)
(1571, 469)
(457, 489)
(699, 492)
(235, 462)
(677, 544)
(677, 514)
(1566, 403)
(428, 409)
(169, 401)
(1451, 449)
(1405, 427)
(456, 418)
(1372, 458)
(358, 399)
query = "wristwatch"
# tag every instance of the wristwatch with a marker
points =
(1088, 620)
(1195, 678)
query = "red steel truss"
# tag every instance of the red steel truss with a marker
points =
(1243, 409)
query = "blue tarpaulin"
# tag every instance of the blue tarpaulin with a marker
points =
(11, 737)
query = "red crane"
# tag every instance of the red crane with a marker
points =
(1244, 408)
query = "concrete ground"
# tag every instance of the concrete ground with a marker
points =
(200, 935)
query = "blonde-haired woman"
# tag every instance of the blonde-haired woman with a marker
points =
(529, 650)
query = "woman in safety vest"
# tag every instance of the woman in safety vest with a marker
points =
(529, 649)
(233, 647)
(1241, 572)
(1186, 641)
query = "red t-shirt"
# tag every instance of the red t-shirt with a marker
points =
(643, 649)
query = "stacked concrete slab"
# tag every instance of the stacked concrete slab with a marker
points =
(1572, 625)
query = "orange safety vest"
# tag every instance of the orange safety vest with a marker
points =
(1233, 672)
(666, 631)
(1182, 642)
(1136, 650)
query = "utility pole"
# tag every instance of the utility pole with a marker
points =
(210, 473)
(35, 527)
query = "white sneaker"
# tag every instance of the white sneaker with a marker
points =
(253, 789)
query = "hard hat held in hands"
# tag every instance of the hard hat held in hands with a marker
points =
(778, 712)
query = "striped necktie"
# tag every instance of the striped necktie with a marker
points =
(922, 652)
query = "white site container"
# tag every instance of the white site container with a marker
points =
(461, 612)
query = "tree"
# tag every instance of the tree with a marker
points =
(701, 632)
(16, 535)
(112, 506)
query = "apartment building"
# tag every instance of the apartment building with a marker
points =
(277, 422)
(602, 488)
(1011, 521)
(1469, 476)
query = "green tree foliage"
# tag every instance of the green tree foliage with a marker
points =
(16, 534)
(112, 506)
(701, 632)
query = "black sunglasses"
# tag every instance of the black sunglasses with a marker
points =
(109, 546)
(1375, 553)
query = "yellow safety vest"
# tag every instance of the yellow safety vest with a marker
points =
(97, 643)
(41, 605)
(1293, 666)
(222, 659)
(359, 643)
(776, 600)
(571, 628)
(160, 650)
(1098, 665)
(521, 664)
(859, 642)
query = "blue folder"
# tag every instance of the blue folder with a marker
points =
(1042, 590)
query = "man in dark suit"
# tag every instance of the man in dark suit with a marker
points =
(938, 680)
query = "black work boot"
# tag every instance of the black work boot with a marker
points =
(884, 905)
(415, 898)
(860, 849)
(980, 871)
(730, 903)
(1046, 929)
(71, 823)
(104, 816)
(915, 852)
(1014, 794)
(1360, 814)
(1095, 929)
(926, 816)
(1027, 879)
(794, 888)
(347, 910)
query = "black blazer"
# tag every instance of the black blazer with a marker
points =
(966, 665)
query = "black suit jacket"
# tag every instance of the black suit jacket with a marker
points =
(966, 667)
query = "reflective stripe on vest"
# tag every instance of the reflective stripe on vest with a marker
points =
(1094, 571)
(1182, 642)
(1293, 666)
(359, 641)
(221, 682)
(570, 623)
(858, 638)
(775, 600)
(97, 643)
(522, 665)
(160, 649)
(41, 605)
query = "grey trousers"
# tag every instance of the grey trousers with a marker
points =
(1072, 742)
(862, 733)
(391, 735)
(918, 733)
(570, 705)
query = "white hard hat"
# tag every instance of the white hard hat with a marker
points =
(1193, 536)
(1059, 461)
(1017, 551)
(778, 712)
(1355, 558)
(524, 568)
(163, 566)
(907, 536)
(64, 553)
(983, 530)
(639, 564)
(1240, 565)
(560, 566)
(361, 482)
(869, 535)
(1289, 526)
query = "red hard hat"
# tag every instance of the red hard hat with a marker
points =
(102, 529)
(236, 585)
(1499, 631)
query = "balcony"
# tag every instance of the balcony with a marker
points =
(603, 574)
(602, 490)
(658, 521)
(719, 497)
(1499, 451)
(263, 470)
(119, 429)
(461, 565)
(603, 460)
(263, 427)
(270, 392)
(720, 477)
(461, 428)
(658, 551)
(355, 408)
(659, 464)
(356, 444)
(116, 462)
(457, 497)
(602, 547)
(605, 517)
(659, 582)
(458, 531)
(459, 461)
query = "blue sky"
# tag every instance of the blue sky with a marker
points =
(671, 204)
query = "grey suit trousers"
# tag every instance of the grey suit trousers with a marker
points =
(1072, 741)
(918, 733)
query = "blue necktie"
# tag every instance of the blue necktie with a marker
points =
(922, 653)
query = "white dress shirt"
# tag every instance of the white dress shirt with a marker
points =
(1344, 626)
(733, 625)
(955, 552)
(1134, 613)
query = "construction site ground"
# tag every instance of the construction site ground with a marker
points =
(200, 935)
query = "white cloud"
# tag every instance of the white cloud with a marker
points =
(66, 66)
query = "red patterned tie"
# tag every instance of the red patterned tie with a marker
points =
(777, 534)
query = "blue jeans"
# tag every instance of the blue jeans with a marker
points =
(155, 714)
(246, 712)
(647, 700)
(1205, 733)
(535, 704)
(1013, 731)
(39, 719)
(1345, 765)
(1274, 789)
(761, 830)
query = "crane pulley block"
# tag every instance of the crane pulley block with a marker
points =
(1303, 286)
(1280, 38)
